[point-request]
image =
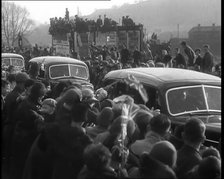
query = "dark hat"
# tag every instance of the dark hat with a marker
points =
(194, 129)
(21, 77)
(88, 94)
(210, 167)
(165, 152)
(105, 117)
(152, 168)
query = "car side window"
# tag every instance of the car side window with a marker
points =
(153, 96)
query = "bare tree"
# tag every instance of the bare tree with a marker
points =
(15, 21)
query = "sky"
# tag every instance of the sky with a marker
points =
(42, 11)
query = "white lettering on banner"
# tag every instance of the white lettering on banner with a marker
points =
(62, 50)
(60, 42)
(111, 38)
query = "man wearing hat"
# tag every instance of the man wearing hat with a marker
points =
(208, 60)
(10, 108)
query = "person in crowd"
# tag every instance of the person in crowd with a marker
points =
(125, 55)
(176, 137)
(28, 85)
(208, 59)
(11, 70)
(97, 160)
(27, 126)
(165, 152)
(10, 108)
(104, 119)
(47, 110)
(188, 156)
(4, 91)
(58, 151)
(89, 98)
(58, 89)
(210, 151)
(159, 126)
(166, 58)
(151, 168)
(142, 119)
(11, 78)
(110, 137)
(179, 60)
(189, 53)
(198, 62)
(101, 96)
(34, 71)
(137, 57)
(209, 167)
(99, 22)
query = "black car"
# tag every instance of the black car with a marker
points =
(56, 68)
(180, 94)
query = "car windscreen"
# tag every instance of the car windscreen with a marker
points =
(5, 61)
(193, 99)
(68, 70)
(78, 71)
(17, 62)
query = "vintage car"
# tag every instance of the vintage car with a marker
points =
(12, 59)
(180, 94)
(56, 68)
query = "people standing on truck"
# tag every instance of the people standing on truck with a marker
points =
(198, 61)
(208, 59)
(189, 53)
(179, 60)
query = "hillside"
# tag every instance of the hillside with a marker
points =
(163, 15)
(40, 36)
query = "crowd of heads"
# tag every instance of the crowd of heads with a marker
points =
(72, 131)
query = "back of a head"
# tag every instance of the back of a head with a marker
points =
(69, 107)
(11, 78)
(165, 152)
(142, 119)
(194, 130)
(115, 127)
(37, 90)
(106, 103)
(152, 168)
(96, 157)
(29, 83)
(160, 124)
(211, 151)
(183, 43)
(105, 117)
(210, 167)
(21, 77)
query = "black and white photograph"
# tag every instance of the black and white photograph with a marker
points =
(111, 89)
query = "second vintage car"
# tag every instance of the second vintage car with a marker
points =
(56, 68)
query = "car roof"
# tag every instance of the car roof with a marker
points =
(12, 55)
(48, 60)
(160, 76)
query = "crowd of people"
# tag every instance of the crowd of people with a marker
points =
(79, 24)
(70, 131)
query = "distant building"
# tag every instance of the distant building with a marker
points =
(200, 35)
